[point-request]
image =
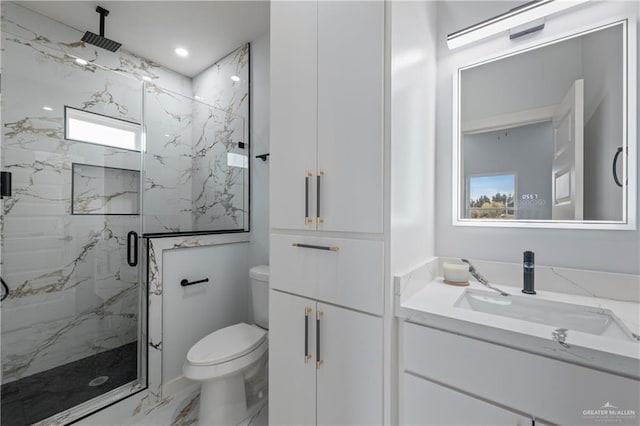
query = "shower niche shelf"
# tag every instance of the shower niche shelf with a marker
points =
(100, 190)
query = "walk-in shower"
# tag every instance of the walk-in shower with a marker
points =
(100, 158)
(71, 323)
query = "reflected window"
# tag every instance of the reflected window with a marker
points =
(237, 160)
(491, 196)
(84, 126)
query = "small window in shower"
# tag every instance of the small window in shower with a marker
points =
(84, 126)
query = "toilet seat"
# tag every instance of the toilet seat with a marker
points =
(226, 344)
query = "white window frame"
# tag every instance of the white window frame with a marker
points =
(99, 120)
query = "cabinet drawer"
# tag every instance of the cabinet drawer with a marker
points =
(351, 275)
(426, 403)
(556, 391)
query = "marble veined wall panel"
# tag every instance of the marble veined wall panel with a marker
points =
(191, 183)
(168, 161)
(219, 180)
(221, 126)
(72, 293)
(105, 190)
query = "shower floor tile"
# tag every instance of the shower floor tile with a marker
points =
(44, 394)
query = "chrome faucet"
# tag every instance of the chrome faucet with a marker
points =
(482, 280)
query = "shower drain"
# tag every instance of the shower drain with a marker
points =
(98, 380)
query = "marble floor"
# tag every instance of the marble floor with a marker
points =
(42, 395)
(182, 410)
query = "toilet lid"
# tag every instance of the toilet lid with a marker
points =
(226, 344)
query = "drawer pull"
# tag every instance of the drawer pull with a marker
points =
(307, 355)
(319, 361)
(307, 219)
(319, 220)
(312, 246)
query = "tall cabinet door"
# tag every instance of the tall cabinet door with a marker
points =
(350, 115)
(292, 375)
(294, 69)
(349, 381)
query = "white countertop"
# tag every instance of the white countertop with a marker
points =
(432, 303)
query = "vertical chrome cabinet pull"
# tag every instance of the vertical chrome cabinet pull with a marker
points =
(307, 355)
(319, 219)
(319, 361)
(307, 219)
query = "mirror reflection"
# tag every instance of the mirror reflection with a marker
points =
(542, 132)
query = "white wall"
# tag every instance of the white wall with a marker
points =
(190, 313)
(617, 251)
(413, 114)
(410, 158)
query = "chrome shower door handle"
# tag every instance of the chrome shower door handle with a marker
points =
(132, 248)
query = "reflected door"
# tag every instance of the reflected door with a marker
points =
(568, 154)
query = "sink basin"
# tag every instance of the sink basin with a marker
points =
(585, 319)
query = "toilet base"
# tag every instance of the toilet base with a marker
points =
(223, 401)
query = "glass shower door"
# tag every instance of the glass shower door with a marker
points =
(72, 319)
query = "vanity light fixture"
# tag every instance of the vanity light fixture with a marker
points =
(521, 15)
(181, 51)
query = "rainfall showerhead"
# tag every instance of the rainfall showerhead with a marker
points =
(100, 40)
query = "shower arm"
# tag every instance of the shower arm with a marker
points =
(103, 13)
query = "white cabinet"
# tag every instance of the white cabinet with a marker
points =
(292, 376)
(553, 391)
(342, 271)
(427, 403)
(327, 87)
(325, 364)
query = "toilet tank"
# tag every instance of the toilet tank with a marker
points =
(260, 294)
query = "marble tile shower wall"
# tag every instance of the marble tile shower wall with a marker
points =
(192, 138)
(72, 293)
(220, 185)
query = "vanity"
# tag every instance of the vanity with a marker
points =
(471, 356)
(540, 150)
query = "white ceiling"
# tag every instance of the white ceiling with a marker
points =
(153, 29)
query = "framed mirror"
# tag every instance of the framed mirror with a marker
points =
(545, 136)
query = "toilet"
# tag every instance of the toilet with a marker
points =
(228, 360)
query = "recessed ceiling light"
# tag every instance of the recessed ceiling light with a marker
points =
(198, 97)
(81, 61)
(180, 51)
(46, 108)
(235, 78)
(167, 135)
(146, 78)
